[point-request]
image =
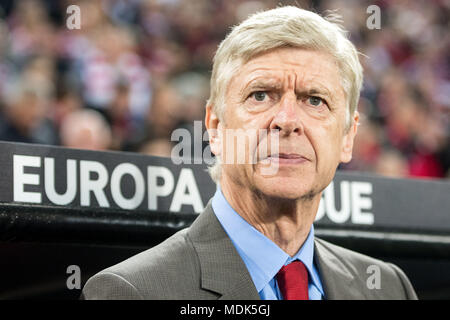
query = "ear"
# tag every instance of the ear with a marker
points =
(348, 139)
(213, 125)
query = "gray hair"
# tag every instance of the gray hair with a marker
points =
(281, 27)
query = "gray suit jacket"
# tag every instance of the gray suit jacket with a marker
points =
(201, 262)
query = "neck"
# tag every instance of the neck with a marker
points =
(286, 222)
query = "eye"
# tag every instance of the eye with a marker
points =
(315, 101)
(259, 95)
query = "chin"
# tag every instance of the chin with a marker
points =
(284, 188)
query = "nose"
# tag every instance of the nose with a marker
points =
(287, 119)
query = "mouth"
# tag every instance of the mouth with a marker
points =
(285, 158)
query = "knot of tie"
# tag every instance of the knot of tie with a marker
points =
(293, 281)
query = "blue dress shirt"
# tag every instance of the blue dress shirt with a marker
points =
(261, 255)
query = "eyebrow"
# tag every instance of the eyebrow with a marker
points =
(262, 83)
(316, 89)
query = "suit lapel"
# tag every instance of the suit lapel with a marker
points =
(224, 272)
(335, 276)
(222, 269)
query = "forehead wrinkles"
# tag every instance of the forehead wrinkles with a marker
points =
(286, 78)
(309, 69)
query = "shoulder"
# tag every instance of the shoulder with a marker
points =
(353, 260)
(375, 278)
(165, 271)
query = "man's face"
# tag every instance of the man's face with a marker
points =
(297, 95)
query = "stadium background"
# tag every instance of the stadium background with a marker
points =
(143, 68)
(137, 70)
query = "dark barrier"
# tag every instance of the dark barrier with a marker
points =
(67, 213)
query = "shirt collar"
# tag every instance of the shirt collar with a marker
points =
(261, 255)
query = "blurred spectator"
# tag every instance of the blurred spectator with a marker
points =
(31, 31)
(66, 103)
(193, 90)
(165, 112)
(390, 163)
(118, 113)
(25, 119)
(144, 65)
(85, 129)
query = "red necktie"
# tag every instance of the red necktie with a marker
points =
(293, 281)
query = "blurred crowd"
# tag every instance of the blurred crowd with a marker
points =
(138, 69)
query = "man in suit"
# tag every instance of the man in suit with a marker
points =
(294, 76)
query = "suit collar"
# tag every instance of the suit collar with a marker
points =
(222, 269)
(337, 278)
